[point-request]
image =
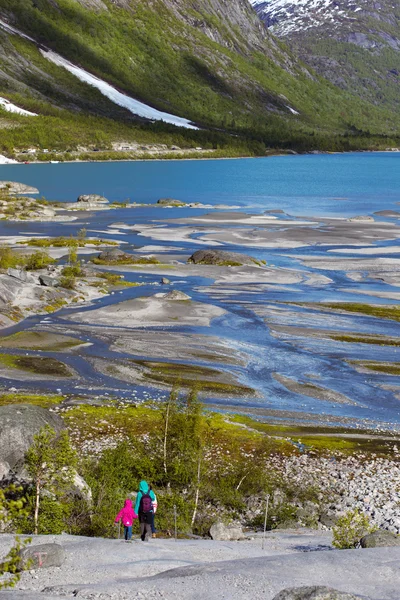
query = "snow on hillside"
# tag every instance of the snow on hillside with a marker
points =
(134, 106)
(9, 107)
(287, 16)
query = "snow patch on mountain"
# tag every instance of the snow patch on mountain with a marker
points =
(10, 107)
(287, 16)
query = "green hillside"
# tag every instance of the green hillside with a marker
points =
(226, 74)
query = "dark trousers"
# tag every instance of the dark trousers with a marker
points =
(127, 532)
(145, 526)
(153, 527)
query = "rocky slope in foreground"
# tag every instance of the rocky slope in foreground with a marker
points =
(354, 44)
(114, 570)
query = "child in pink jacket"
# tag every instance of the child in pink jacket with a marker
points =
(127, 515)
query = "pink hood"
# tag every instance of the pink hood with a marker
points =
(127, 514)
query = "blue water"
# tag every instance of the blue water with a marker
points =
(339, 185)
(301, 185)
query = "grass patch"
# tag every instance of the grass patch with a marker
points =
(387, 311)
(131, 260)
(378, 367)
(36, 364)
(189, 376)
(54, 306)
(66, 242)
(323, 440)
(39, 340)
(113, 279)
(45, 401)
(376, 340)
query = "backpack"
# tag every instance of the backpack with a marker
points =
(146, 503)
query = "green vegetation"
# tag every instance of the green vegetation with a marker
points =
(191, 458)
(67, 242)
(323, 440)
(45, 400)
(38, 260)
(385, 311)
(11, 509)
(350, 528)
(32, 262)
(54, 306)
(40, 340)
(113, 279)
(207, 464)
(379, 340)
(35, 364)
(50, 462)
(379, 367)
(205, 379)
(127, 260)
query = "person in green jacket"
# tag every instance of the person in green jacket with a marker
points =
(144, 508)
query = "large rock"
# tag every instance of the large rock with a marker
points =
(18, 424)
(92, 199)
(221, 532)
(314, 592)
(222, 257)
(13, 187)
(48, 281)
(19, 274)
(176, 295)
(170, 202)
(380, 538)
(112, 255)
(43, 556)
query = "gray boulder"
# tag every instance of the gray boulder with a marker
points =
(170, 202)
(112, 255)
(13, 187)
(42, 556)
(314, 592)
(328, 519)
(222, 257)
(48, 281)
(18, 424)
(176, 295)
(92, 199)
(221, 532)
(379, 539)
(19, 274)
(165, 281)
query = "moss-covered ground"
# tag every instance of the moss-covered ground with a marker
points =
(204, 379)
(381, 311)
(116, 420)
(42, 400)
(378, 367)
(35, 364)
(40, 340)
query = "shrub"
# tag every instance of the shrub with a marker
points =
(38, 260)
(350, 528)
(67, 282)
(11, 507)
(71, 271)
(9, 258)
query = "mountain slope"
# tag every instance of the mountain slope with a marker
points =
(182, 57)
(353, 43)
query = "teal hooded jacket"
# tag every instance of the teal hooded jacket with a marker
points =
(144, 488)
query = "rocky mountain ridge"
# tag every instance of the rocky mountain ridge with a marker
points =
(353, 43)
